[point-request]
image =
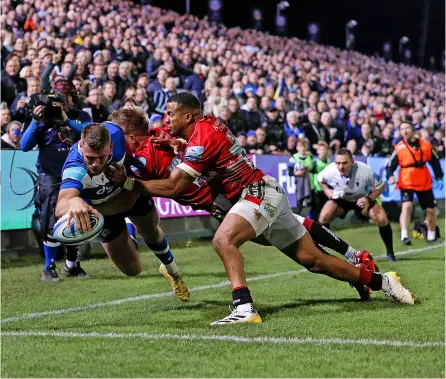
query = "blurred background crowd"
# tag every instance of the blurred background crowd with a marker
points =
(271, 91)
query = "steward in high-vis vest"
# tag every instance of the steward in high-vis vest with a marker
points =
(412, 154)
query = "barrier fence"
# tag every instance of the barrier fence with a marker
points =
(17, 210)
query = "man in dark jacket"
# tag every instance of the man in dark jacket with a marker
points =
(315, 131)
(250, 114)
(275, 130)
(195, 82)
(12, 84)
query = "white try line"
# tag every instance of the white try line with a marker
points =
(168, 294)
(224, 338)
(139, 298)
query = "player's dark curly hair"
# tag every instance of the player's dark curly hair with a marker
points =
(186, 99)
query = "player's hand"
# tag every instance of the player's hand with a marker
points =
(300, 172)
(38, 113)
(79, 210)
(337, 194)
(391, 180)
(439, 184)
(170, 144)
(362, 202)
(116, 174)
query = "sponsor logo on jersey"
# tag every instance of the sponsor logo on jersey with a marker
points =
(194, 154)
(175, 162)
(268, 209)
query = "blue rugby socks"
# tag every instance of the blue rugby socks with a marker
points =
(164, 254)
(50, 249)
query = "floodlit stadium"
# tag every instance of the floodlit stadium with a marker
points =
(212, 188)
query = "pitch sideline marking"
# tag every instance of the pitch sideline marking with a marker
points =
(168, 294)
(225, 338)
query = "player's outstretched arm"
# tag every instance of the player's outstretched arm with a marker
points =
(69, 202)
(171, 187)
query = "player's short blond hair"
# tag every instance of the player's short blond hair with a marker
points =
(131, 120)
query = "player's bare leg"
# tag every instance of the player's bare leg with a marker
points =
(123, 253)
(306, 253)
(378, 215)
(405, 216)
(329, 212)
(148, 227)
(233, 232)
(431, 221)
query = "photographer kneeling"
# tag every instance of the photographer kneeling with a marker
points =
(55, 127)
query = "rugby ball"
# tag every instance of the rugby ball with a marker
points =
(70, 235)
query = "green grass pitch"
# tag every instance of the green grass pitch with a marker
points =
(313, 326)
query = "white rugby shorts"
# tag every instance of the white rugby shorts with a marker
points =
(265, 206)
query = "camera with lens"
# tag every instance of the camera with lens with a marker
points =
(52, 113)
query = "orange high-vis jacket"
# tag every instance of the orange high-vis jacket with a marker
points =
(414, 174)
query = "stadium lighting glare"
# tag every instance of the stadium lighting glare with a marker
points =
(403, 41)
(283, 5)
(351, 24)
(350, 38)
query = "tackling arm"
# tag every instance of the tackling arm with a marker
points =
(171, 187)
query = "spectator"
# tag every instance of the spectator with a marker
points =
(98, 75)
(261, 146)
(280, 105)
(12, 84)
(438, 142)
(156, 121)
(18, 107)
(251, 141)
(124, 82)
(275, 130)
(386, 143)
(214, 102)
(236, 122)
(352, 146)
(353, 130)
(11, 139)
(291, 125)
(291, 145)
(300, 167)
(372, 144)
(160, 82)
(223, 115)
(108, 94)
(5, 115)
(314, 131)
(250, 115)
(195, 82)
(94, 108)
(143, 81)
(141, 100)
(162, 96)
(242, 141)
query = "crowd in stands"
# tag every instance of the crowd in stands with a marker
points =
(270, 91)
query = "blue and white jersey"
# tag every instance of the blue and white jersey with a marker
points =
(93, 189)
